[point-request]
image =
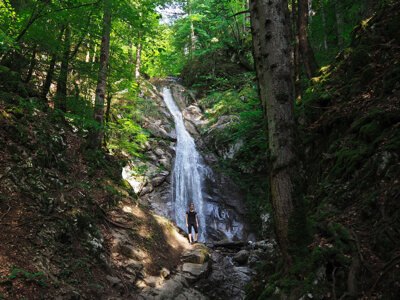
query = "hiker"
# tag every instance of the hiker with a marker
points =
(191, 220)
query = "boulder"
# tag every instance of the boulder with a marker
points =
(153, 281)
(241, 257)
(196, 270)
(191, 128)
(195, 256)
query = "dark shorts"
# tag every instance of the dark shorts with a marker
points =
(194, 227)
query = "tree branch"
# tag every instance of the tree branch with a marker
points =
(72, 7)
(241, 12)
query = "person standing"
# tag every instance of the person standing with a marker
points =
(191, 221)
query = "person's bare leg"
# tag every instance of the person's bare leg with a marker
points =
(190, 238)
(195, 237)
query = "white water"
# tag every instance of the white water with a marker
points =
(187, 174)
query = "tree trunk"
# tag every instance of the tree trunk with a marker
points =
(138, 56)
(31, 65)
(192, 35)
(50, 72)
(306, 51)
(296, 52)
(339, 21)
(97, 135)
(323, 14)
(277, 96)
(49, 79)
(61, 94)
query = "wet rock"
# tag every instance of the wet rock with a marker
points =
(241, 257)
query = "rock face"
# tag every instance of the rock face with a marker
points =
(151, 179)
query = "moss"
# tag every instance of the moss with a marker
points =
(16, 111)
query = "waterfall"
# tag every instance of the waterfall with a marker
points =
(188, 172)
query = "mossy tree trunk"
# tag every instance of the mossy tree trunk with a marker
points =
(96, 136)
(271, 33)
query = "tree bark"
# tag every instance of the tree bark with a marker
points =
(296, 52)
(31, 65)
(50, 72)
(275, 76)
(339, 21)
(61, 94)
(307, 54)
(323, 14)
(49, 79)
(97, 134)
(138, 56)
(192, 35)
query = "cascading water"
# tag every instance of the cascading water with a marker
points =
(187, 175)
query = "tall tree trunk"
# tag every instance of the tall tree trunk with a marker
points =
(323, 14)
(296, 51)
(192, 35)
(339, 21)
(97, 135)
(61, 94)
(50, 72)
(138, 56)
(307, 54)
(49, 79)
(31, 65)
(277, 96)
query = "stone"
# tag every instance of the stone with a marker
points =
(131, 252)
(241, 257)
(153, 281)
(191, 294)
(190, 127)
(196, 256)
(159, 152)
(164, 272)
(156, 181)
(196, 270)
(170, 290)
(113, 280)
(166, 162)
